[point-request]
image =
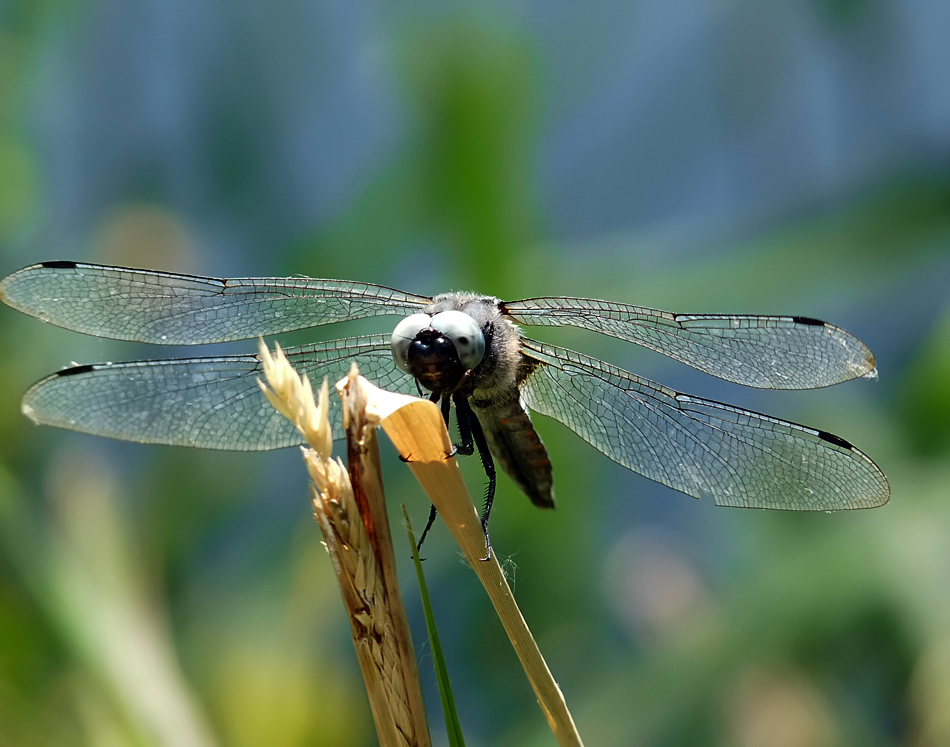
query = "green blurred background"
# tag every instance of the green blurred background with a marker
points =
(697, 156)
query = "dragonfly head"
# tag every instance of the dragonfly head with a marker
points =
(438, 350)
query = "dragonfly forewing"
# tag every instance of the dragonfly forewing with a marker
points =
(768, 352)
(170, 309)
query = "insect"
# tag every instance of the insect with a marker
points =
(467, 351)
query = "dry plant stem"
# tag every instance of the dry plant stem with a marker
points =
(418, 431)
(350, 510)
(366, 477)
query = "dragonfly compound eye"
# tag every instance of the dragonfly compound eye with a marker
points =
(403, 336)
(465, 335)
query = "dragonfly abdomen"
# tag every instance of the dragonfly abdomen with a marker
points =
(516, 445)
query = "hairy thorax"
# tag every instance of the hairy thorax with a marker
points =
(495, 379)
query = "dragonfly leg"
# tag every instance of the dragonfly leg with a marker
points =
(446, 404)
(432, 514)
(463, 416)
(474, 438)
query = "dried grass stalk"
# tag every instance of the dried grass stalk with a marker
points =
(351, 511)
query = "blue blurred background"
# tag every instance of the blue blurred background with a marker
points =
(788, 158)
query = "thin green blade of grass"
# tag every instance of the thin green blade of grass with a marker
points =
(452, 726)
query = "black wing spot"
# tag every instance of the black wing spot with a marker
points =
(833, 439)
(76, 370)
(808, 320)
(60, 264)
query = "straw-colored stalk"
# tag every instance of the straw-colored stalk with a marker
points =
(351, 511)
(417, 429)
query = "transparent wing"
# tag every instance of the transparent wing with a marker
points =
(697, 446)
(210, 403)
(769, 352)
(170, 309)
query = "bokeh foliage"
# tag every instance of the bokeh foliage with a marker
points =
(160, 596)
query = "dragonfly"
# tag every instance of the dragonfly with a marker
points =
(468, 352)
